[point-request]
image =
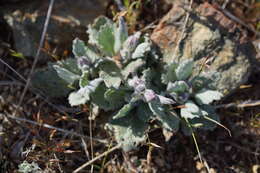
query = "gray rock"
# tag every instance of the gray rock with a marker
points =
(214, 50)
(69, 20)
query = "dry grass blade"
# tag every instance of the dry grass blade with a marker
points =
(55, 128)
(194, 139)
(96, 158)
(221, 125)
(12, 69)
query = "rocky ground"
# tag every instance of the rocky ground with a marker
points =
(218, 35)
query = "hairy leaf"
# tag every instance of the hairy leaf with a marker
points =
(115, 98)
(184, 69)
(179, 90)
(206, 124)
(111, 74)
(148, 75)
(79, 97)
(84, 80)
(132, 67)
(207, 96)
(47, 80)
(95, 27)
(129, 46)
(144, 113)
(83, 94)
(124, 111)
(66, 75)
(129, 131)
(190, 111)
(121, 34)
(141, 50)
(170, 75)
(98, 98)
(178, 87)
(169, 120)
(106, 39)
(78, 48)
(200, 82)
(69, 64)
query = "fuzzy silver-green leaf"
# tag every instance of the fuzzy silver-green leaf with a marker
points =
(141, 50)
(184, 69)
(190, 111)
(207, 96)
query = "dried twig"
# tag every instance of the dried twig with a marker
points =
(91, 141)
(2, 83)
(12, 69)
(249, 103)
(96, 158)
(236, 19)
(225, 4)
(37, 54)
(150, 26)
(55, 128)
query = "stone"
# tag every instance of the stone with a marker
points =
(69, 20)
(214, 46)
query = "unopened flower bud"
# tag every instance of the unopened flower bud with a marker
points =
(149, 95)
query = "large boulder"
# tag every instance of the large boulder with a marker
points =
(211, 39)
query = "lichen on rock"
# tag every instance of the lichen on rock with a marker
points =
(211, 48)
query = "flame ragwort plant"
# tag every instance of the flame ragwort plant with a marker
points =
(125, 76)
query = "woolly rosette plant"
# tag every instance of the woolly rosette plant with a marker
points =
(124, 76)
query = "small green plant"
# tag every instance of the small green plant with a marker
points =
(27, 167)
(124, 75)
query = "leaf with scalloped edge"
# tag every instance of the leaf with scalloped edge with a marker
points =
(129, 131)
(95, 27)
(67, 70)
(106, 39)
